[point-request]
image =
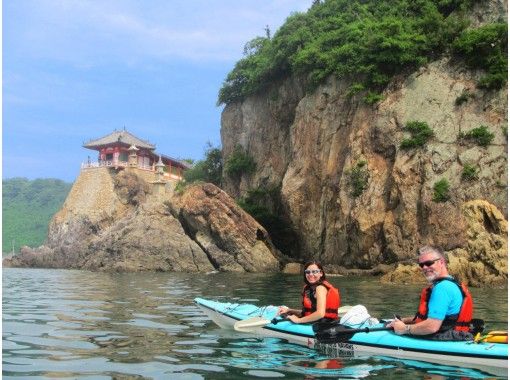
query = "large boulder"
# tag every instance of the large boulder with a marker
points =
(149, 238)
(232, 239)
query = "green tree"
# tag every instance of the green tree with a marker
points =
(207, 170)
(486, 48)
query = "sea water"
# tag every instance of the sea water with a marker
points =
(67, 324)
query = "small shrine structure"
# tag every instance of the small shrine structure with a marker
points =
(121, 149)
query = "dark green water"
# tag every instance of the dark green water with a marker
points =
(77, 324)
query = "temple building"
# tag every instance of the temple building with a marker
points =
(121, 149)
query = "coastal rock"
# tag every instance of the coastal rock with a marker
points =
(404, 274)
(149, 238)
(292, 268)
(112, 222)
(483, 259)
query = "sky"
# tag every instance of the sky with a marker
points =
(76, 70)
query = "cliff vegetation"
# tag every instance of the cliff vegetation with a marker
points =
(369, 42)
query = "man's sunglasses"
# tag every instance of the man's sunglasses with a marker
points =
(428, 263)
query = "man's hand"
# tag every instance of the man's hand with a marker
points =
(398, 326)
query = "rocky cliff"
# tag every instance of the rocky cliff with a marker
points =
(352, 194)
(116, 221)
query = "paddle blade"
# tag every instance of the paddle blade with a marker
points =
(335, 334)
(250, 324)
(496, 337)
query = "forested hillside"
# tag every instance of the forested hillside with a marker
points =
(27, 207)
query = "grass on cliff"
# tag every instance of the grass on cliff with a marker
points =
(239, 163)
(480, 136)
(27, 208)
(368, 42)
(420, 134)
(441, 190)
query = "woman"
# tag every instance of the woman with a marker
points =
(321, 300)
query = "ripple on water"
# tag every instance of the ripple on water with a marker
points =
(139, 322)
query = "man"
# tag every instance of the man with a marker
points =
(446, 307)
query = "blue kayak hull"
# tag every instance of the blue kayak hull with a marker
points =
(490, 357)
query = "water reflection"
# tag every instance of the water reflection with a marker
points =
(70, 324)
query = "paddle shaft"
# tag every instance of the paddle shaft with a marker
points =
(250, 324)
(366, 330)
(339, 334)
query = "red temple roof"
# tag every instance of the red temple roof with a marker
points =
(123, 137)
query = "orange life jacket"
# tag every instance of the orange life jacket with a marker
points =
(332, 300)
(459, 322)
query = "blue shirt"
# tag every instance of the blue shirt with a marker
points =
(446, 299)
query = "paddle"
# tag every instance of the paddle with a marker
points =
(250, 324)
(492, 337)
(340, 333)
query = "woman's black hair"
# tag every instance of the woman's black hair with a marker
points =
(319, 265)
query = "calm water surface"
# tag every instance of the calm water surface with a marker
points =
(77, 324)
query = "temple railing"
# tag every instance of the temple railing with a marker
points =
(100, 164)
(125, 164)
(103, 163)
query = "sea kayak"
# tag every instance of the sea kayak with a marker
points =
(489, 357)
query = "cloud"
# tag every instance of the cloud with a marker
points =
(91, 33)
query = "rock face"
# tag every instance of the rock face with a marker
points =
(327, 137)
(112, 222)
(230, 237)
(482, 261)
